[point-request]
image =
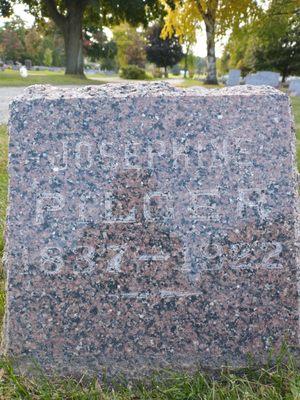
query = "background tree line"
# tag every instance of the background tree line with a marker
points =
(43, 45)
(271, 42)
(181, 17)
(264, 34)
(127, 45)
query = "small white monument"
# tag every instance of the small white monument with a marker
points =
(23, 72)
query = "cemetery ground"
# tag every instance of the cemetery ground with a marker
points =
(12, 78)
(279, 381)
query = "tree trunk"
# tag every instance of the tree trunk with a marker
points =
(185, 64)
(211, 76)
(186, 55)
(285, 74)
(74, 51)
(70, 26)
(74, 42)
(166, 72)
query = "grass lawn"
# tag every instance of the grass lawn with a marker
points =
(296, 110)
(279, 382)
(13, 78)
(276, 383)
(193, 82)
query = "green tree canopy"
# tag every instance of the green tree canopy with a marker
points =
(12, 40)
(130, 44)
(185, 16)
(100, 49)
(73, 16)
(19, 43)
(48, 59)
(162, 52)
(272, 42)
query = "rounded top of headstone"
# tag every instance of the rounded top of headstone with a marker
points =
(152, 89)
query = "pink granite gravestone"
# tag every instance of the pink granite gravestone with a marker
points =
(150, 227)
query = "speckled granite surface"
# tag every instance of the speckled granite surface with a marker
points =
(150, 227)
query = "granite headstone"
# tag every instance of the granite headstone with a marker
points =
(150, 227)
(234, 77)
(28, 64)
(294, 87)
(267, 78)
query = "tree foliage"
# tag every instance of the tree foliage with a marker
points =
(48, 59)
(19, 43)
(130, 44)
(185, 16)
(278, 40)
(12, 40)
(162, 52)
(271, 43)
(133, 72)
(5, 8)
(73, 16)
(100, 49)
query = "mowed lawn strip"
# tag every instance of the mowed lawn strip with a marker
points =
(277, 382)
(10, 78)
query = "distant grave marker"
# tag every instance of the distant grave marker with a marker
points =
(234, 77)
(28, 64)
(294, 87)
(267, 78)
(23, 72)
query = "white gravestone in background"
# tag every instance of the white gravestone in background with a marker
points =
(234, 77)
(294, 87)
(267, 78)
(23, 72)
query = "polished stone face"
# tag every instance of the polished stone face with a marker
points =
(150, 227)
